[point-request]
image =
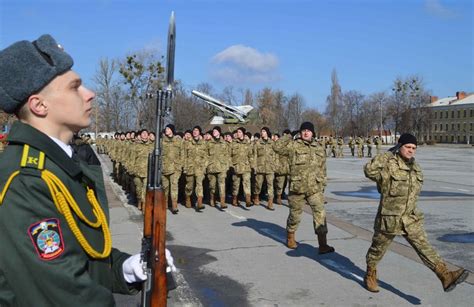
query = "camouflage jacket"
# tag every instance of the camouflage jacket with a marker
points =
(399, 184)
(218, 156)
(241, 155)
(307, 165)
(139, 159)
(195, 157)
(172, 155)
(264, 156)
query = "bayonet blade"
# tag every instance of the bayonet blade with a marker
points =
(170, 53)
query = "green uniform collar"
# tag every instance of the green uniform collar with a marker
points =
(22, 133)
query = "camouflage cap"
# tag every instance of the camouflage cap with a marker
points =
(26, 67)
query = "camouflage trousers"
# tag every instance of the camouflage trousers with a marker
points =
(415, 235)
(369, 151)
(316, 202)
(340, 153)
(280, 183)
(360, 152)
(245, 178)
(217, 179)
(140, 188)
(170, 185)
(259, 177)
(377, 150)
(193, 181)
(352, 151)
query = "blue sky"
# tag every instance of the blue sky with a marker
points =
(291, 45)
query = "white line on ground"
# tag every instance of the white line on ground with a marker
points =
(340, 267)
(236, 215)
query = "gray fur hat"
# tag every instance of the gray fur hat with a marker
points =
(26, 67)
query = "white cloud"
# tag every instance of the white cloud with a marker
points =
(242, 64)
(435, 7)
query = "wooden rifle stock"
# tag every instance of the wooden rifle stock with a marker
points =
(155, 230)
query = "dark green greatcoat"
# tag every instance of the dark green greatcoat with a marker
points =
(72, 278)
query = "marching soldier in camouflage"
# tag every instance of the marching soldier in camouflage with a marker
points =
(399, 179)
(281, 172)
(139, 167)
(172, 164)
(307, 184)
(378, 145)
(369, 147)
(360, 147)
(351, 145)
(195, 163)
(218, 164)
(242, 162)
(340, 146)
(265, 159)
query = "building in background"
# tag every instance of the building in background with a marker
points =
(452, 119)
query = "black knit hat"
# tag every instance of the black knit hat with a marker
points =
(268, 131)
(307, 126)
(217, 128)
(26, 67)
(407, 138)
(171, 126)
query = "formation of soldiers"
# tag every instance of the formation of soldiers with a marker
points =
(229, 165)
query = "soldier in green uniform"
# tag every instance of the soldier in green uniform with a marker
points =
(351, 145)
(265, 159)
(340, 146)
(54, 218)
(218, 158)
(195, 163)
(281, 172)
(139, 166)
(360, 147)
(242, 161)
(172, 164)
(369, 147)
(399, 179)
(307, 183)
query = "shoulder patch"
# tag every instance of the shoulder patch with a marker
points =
(47, 238)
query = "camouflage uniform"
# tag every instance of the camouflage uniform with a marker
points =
(172, 165)
(369, 147)
(281, 175)
(195, 163)
(218, 164)
(139, 169)
(340, 145)
(307, 181)
(360, 147)
(399, 184)
(351, 145)
(241, 156)
(265, 159)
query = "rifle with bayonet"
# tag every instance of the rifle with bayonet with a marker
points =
(155, 288)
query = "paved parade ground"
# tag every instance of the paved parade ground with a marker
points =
(238, 257)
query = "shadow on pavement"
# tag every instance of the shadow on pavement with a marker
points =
(333, 261)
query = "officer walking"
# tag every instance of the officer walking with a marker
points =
(399, 179)
(307, 182)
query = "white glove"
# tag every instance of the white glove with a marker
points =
(133, 269)
(169, 261)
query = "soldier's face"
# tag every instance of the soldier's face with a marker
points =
(196, 133)
(306, 135)
(168, 132)
(216, 134)
(408, 151)
(144, 136)
(264, 134)
(240, 134)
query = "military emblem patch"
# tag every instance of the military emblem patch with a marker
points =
(47, 238)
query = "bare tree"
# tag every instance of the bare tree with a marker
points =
(294, 111)
(334, 106)
(352, 102)
(266, 107)
(280, 105)
(143, 74)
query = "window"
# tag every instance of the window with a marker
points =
(446, 127)
(459, 127)
(447, 114)
(470, 126)
(459, 113)
(465, 113)
(471, 113)
(436, 127)
(436, 138)
(436, 115)
(452, 127)
(440, 115)
(452, 114)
